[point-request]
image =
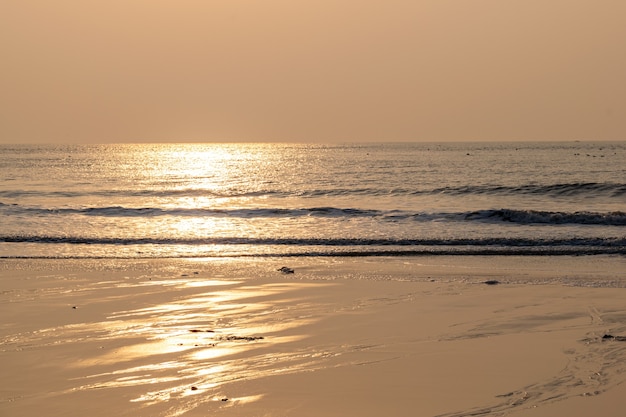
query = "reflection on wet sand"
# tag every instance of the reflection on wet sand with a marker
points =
(158, 341)
(180, 354)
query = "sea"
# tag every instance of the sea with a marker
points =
(242, 200)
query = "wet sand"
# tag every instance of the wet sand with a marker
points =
(364, 336)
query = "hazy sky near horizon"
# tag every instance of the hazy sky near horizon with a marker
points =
(312, 71)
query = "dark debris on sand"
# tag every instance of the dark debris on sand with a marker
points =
(244, 338)
(615, 338)
(229, 338)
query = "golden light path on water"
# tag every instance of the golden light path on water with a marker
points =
(218, 171)
(209, 178)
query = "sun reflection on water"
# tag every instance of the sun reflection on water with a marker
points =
(192, 188)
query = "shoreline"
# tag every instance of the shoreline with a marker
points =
(340, 336)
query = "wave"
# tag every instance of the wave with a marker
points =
(592, 189)
(119, 211)
(500, 241)
(550, 190)
(161, 193)
(514, 216)
(338, 247)
(616, 218)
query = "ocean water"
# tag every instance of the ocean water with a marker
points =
(205, 200)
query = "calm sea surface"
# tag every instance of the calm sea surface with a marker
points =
(197, 200)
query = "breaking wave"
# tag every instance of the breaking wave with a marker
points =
(591, 189)
(522, 217)
(347, 247)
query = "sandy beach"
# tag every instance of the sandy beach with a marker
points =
(338, 337)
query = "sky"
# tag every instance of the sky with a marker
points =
(92, 71)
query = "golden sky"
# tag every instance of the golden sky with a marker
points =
(311, 71)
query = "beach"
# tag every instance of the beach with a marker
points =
(313, 209)
(428, 336)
